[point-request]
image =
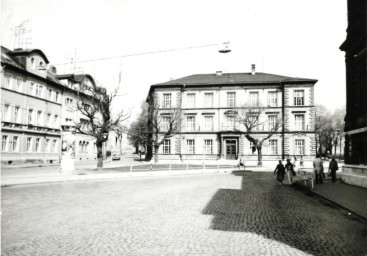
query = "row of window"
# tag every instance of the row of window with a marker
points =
(34, 117)
(12, 144)
(272, 99)
(34, 88)
(232, 123)
(299, 147)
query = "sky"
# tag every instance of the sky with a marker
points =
(296, 38)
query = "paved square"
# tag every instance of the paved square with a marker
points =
(216, 214)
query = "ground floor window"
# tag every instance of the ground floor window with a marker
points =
(29, 144)
(47, 145)
(299, 147)
(208, 146)
(273, 147)
(54, 146)
(38, 148)
(190, 146)
(167, 147)
(15, 143)
(4, 143)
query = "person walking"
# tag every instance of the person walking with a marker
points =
(318, 169)
(241, 163)
(333, 167)
(301, 162)
(280, 171)
(289, 167)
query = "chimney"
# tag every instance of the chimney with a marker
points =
(253, 69)
(53, 69)
(219, 73)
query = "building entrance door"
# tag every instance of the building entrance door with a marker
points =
(231, 149)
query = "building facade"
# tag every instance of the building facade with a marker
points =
(31, 108)
(210, 105)
(355, 48)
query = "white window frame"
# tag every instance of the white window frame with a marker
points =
(39, 117)
(30, 116)
(208, 123)
(299, 147)
(190, 146)
(54, 146)
(231, 121)
(38, 145)
(4, 143)
(299, 122)
(167, 100)
(57, 94)
(208, 146)
(29, 144)
(208, 99)
(6, 112)
(231, 99)
(272, 99)
(272, 120)
(17, 114)
(166, 149)
(47, 145)
(254, 101)
(299, 97)
(191, 100)
(8, 80)
(166, 122)
(273, 147)
(19, 83)
(191, 123)
(15, 142)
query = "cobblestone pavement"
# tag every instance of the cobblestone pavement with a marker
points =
(216, 214)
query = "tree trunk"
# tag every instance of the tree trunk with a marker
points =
(156, 148)
(259, 156)
(99, 156)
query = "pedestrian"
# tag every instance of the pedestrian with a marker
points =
(333, 167)
(301, 162)
(318, 169)
(289, 167)
(241, 163)
(294, 160)
(280, 171)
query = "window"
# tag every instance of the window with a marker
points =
(252, 148)
(273, 147)
(8, 80)
(30, 116)
(191, 123)
(190, 146)
(39, 117)
(33, 63)
(48, 145)
(49, 94)
(208, 146)
(48, 119)
(68, 120)
(4, 143)
(299, 98)
(191, 100)
(166, 100)
(254, 99)
(56, 122)
(29, 144)
(166, 120)
(15, 143)
(231, 99)
(272, 99)
(57, 97)
(208, 123)
(167, 147)
(31, 88)
(69, 102)
(54, 146)
(40, 90)
(38, 148)
(6, 114)
(19, 84)
(272, 122)
(17, 114)
(299, 146)
(299, 122)
(230, 122)
(208, 100)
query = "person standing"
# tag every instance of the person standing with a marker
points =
(333, 167)
(241, 163)
(280, 171)
(289, 167)
(318, 169)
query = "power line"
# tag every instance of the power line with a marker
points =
(142, 53)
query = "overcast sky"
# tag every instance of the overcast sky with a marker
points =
(297, 38)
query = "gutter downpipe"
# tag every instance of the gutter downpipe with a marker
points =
(283, 109)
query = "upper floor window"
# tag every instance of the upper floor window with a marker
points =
(54, 146)
(191, 100)
(39, 118)
(273, 147)
(40, 91)
(8, 80)
(6, 112)
(19, 83)
(49, 94)
(299, 122)
(208, 146)
(48, 121)
(17, 114)
(30, 116)
(4, 143)
(190, 144)
(208, 100)
(32, 88)
(272, 121)
(299, 146)
(33, 63)
(299, 98)
(166, 147)
(15, 143)
(56, 122)
(231, 99)
(208, 124)
(69, 101)
(167, 100)
(190, 123)
(29, 144)
(254, 99)
(272, 99)
(230, 122)
(38, 146)
(57, 97)
(166, 120)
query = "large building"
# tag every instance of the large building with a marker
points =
(355, 48)
(211, 103)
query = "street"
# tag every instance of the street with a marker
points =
(243, 213)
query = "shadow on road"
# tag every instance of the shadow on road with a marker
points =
(283, 214)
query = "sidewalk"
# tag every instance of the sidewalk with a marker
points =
(351, 198)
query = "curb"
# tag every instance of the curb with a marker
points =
(331, 201)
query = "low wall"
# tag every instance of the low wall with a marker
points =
(355, 175)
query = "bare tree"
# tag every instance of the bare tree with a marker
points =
(95, 106)
(250, 117)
